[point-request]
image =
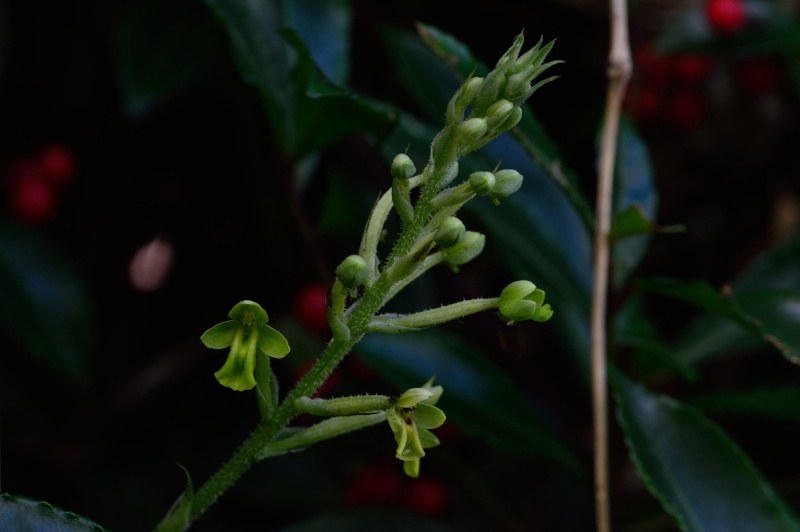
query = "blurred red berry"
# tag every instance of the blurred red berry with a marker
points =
(757, 76)
(32, 200)
(374, 485)
(692, 68)
(653, 68)
(58, 164)
(725, 16)
(686, 109)
(427, 496)
(649, 103)
(309, 307)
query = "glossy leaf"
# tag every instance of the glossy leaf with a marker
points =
(21, 513)
(478, 396)
(44, 303)
(162, 47)
(700, 476)
(306, 110)
(633, 186)
(771, 315)
(777, 402)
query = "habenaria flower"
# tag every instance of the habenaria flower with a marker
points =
(247, 334)
(410, 419)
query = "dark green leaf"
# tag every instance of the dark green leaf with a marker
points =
(633, 188)
(634, 329)
(478, 396)
(702, 295)
(699, 475)
(306, 110)
(631, 221)
(162, 47)
(324, 25)
(451, 50)
(261, 53)
(710, 336)
(779, 402)
(324, 113)
(44, 303)
(178, 517)
(23, 514)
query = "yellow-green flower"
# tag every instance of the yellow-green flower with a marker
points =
(247, 334)
(411, 419)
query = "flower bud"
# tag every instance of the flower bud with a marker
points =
(464, 250)
(498, 112)
(521, 300)
(352, 271)
(450, 232)
(482, 183)
(472, 130)
(469, 90)
(506, 183)
(403, 167)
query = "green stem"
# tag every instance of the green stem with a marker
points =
(324, 430)
(395, 323)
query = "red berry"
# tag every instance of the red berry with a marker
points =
(58, 164)
(725, 16)
(426, 495)
(693, 68)
(374, 485)
(309, 307)
(686, 109)
(32, 200)
(649, 103)
(758, 76)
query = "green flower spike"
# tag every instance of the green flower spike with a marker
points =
(246, 333)
(411, 419)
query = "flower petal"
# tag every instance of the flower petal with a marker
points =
(412, 396)
(220, 335)
(428, 417)
(271, 342)
(237, 372)
(248, 313)
(427, 438)
(411, 468)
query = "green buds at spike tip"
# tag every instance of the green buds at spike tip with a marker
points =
(471, 131)
(521, 300)
(411, 420)
(352, 271)
(247, 334)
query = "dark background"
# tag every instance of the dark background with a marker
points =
(201, 170)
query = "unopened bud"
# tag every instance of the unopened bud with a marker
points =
(465, 249)
(450, 232)
(482, 183)
(506, 183)
(470, 90)
(472, 130)
(521, 300)
(498, 111)
(403, 167)
(352, 271)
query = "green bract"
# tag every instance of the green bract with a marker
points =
(411, 419)
(246, 333)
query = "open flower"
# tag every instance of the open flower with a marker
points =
(247, 334)
(411, 418)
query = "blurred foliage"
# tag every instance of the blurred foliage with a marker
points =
(261, 187)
